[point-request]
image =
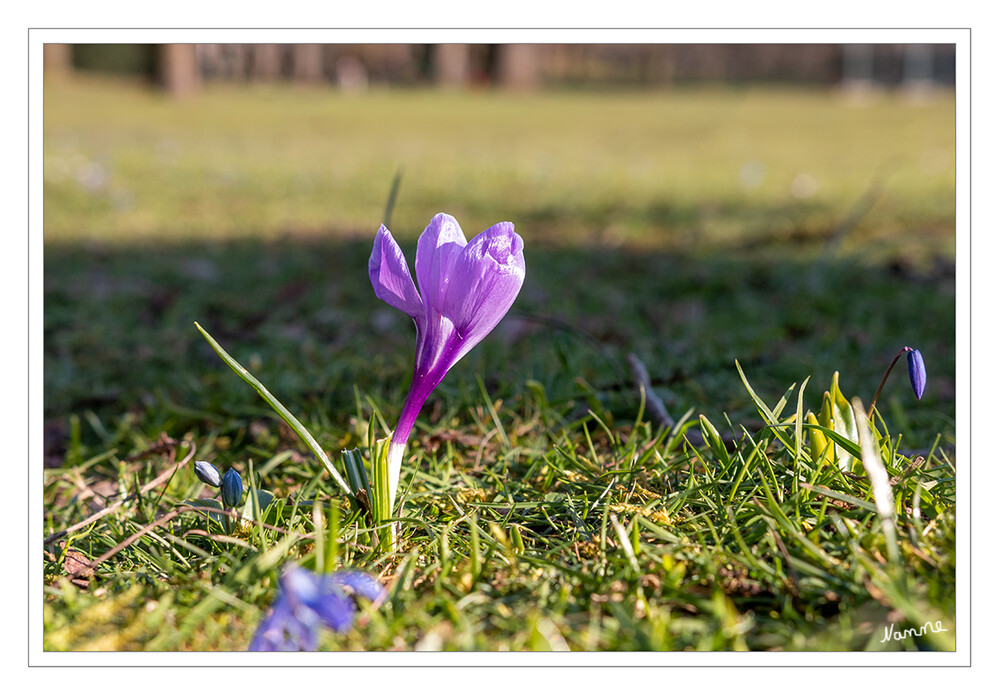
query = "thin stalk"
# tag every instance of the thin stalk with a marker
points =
(393, 193)
(870, 412)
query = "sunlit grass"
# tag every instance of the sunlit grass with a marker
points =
(642, 167)
(693, 228)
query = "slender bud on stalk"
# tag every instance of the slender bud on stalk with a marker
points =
(917, 375)
(207, 473)
(232, 488)
(917, 372)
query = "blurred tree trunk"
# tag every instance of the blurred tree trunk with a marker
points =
(518, 66)
(451, 64)
(917, 65)
(266, 61)
(858, 66)
(177, 64)
(307, 62)
(58, 60)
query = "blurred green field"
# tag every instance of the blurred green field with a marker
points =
(800, 232)
(655, 168)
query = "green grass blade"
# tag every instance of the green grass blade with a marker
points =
(841, 496)
(881, 489)
(393, 193)
(274, 403)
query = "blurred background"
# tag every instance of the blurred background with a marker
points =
(627, 142)
(790, 206)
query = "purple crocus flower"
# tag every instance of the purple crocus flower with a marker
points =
(917, 371)
(308, 601)
(465, 289)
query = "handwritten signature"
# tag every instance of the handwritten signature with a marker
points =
(892, 634)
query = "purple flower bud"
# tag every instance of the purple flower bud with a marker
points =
(207, 473)
(232, 488)
(306, 602)
(465, 289)
(917, 371)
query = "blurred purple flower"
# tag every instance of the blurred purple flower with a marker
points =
(465, 289)
(917, 371)
(307, 601)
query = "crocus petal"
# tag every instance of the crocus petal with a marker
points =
(466, 289)
(439, 247)
(484, 282)
(917, 372)
(390, 276)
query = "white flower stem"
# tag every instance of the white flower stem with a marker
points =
(395, 452)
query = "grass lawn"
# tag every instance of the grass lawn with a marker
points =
(803, 233)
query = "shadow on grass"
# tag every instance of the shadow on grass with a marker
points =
(120, 340)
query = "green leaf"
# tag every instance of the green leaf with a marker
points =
(821, 449)
(381, 495)
(771, 417)
(851, 448)
(765, 411)
(274, 403)
(843, 423)
(264, 498)
(357, 476)
(714, 440)
(213, 507)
